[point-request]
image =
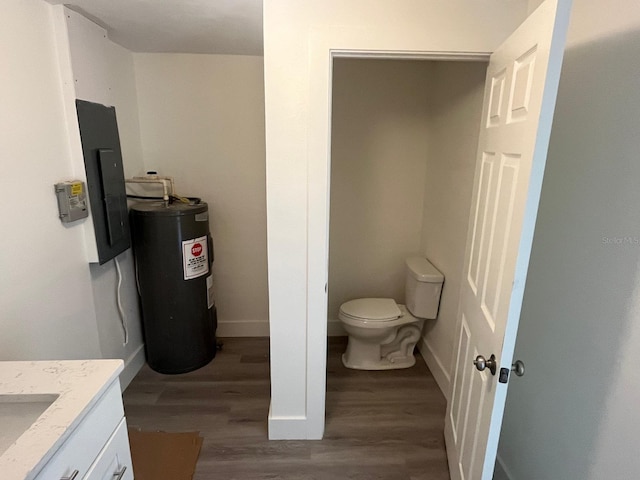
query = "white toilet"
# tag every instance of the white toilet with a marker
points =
(383, 334)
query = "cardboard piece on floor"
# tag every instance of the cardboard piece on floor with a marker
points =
(159, 455)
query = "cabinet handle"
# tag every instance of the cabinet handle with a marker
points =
(72, 476)
(120, 474)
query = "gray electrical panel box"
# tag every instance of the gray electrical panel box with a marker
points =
(72, 201)
(105, 178)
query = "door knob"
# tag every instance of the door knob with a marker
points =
(518, 368)
(481, 363)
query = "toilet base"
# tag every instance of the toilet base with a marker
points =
(392, 351)
(382, 364)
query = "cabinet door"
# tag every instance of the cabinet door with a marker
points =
(86, 442)
(114, 461)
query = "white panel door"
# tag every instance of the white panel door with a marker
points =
(520, 93)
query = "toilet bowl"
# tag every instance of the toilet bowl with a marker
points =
(379, 343)
(382, 333)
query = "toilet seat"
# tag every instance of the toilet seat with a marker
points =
(371, 309)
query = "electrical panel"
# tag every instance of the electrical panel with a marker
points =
(105, 178)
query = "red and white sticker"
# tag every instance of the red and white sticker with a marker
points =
(195, 258)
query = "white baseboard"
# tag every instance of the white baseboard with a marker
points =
(132, 366)
(243, 328)
(501, 471)
(443, 379)
(287, 428)
(335, 329)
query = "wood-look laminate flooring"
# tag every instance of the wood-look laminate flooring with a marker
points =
(385, 425)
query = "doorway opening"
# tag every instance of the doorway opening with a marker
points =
(404, 138)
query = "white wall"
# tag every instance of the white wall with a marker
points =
(46, 301)
(533, 4)
(455, 109)
(298, 39)
(574, 415)
(202, 122)
(54, 304)
(103, 73)
(379, 147)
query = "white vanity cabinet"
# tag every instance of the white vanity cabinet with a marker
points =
(98, 448)
(114, 461)
(82, 432)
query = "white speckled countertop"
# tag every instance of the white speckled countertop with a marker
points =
(78, 384)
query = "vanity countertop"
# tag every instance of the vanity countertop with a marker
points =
(73, 385)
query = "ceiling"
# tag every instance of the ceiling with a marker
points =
(229, 27)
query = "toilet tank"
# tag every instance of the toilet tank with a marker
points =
(423, 287)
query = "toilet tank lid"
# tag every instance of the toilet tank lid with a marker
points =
(372, 308)
(423, 271)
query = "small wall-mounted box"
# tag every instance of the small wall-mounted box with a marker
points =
(72, 200)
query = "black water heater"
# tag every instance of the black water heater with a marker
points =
(173, 256)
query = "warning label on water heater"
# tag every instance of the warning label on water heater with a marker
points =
(195, 258)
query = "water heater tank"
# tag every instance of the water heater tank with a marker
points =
(173, 256)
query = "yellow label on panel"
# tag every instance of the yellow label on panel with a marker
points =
(76, 188)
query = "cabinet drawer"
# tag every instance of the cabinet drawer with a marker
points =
(114, 462)
(83, 446)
